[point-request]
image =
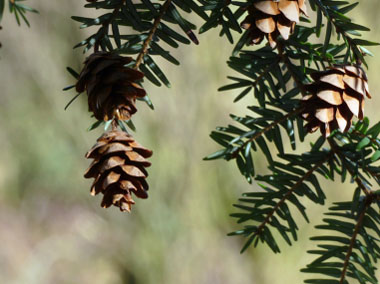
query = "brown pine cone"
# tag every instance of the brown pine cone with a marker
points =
(119, 169)
(271, 19)
(111, 87)
(336, 96)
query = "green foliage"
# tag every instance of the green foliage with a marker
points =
(142, 30)
(289, 181)
(277, 79)
(296, 178)
(348, 246)
(18, 9)
(221, 13)
(140, 18)
(336, 20)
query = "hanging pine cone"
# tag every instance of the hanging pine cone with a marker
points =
(272, 18)
(119, 169)
(111, 87)
(336, 96)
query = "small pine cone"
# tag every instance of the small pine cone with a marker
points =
(336, 96)
(119, 169)
(111, 87)
(271, 19)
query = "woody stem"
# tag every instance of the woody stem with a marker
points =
(156, 22)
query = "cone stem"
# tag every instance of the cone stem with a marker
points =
(114, 124)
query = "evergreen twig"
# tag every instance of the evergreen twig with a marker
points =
(156, 22)
(358, 181)
(105, 25)
(352, 242)
(295, 112)
(291, 191)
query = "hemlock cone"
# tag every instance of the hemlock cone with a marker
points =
(337, 95)
(271, 19)
(119, 169)
(111, 87)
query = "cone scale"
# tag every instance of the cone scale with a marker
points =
(111, 87)
(118, 169)
(337, 95)
(271, 19)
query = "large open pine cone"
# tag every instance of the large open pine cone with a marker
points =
(272, 18)
(336, 96)
(119, 169)
(111, 87)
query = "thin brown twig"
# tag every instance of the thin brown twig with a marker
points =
(107, 23)
(340, 31)
(156, 22)
(266, 129)
(291, 190)
(373, 140)
(358, 225)
(298, 110)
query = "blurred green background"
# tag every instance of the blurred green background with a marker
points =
(53, 231)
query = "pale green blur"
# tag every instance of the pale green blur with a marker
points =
(53, 231)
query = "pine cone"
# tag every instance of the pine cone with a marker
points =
(111, 87)
(271, 19)
(119, 169)
(336, 96)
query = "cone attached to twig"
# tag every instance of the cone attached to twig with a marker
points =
(336, 96)
(119, 169)
(272, 18)
(111, 87)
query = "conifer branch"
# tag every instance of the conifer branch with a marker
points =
(361, 135)
(334, 148)
(376, 176)
(266, 129)
(350, 154)
(285, 59)
(156, 22)
(329, 18)
(353, 240)
(265, 72)
(106, 24)
(290, 192)
(333, 19)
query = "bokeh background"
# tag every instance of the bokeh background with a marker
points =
(53, 231)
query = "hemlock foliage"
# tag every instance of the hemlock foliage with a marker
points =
(276, 77)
